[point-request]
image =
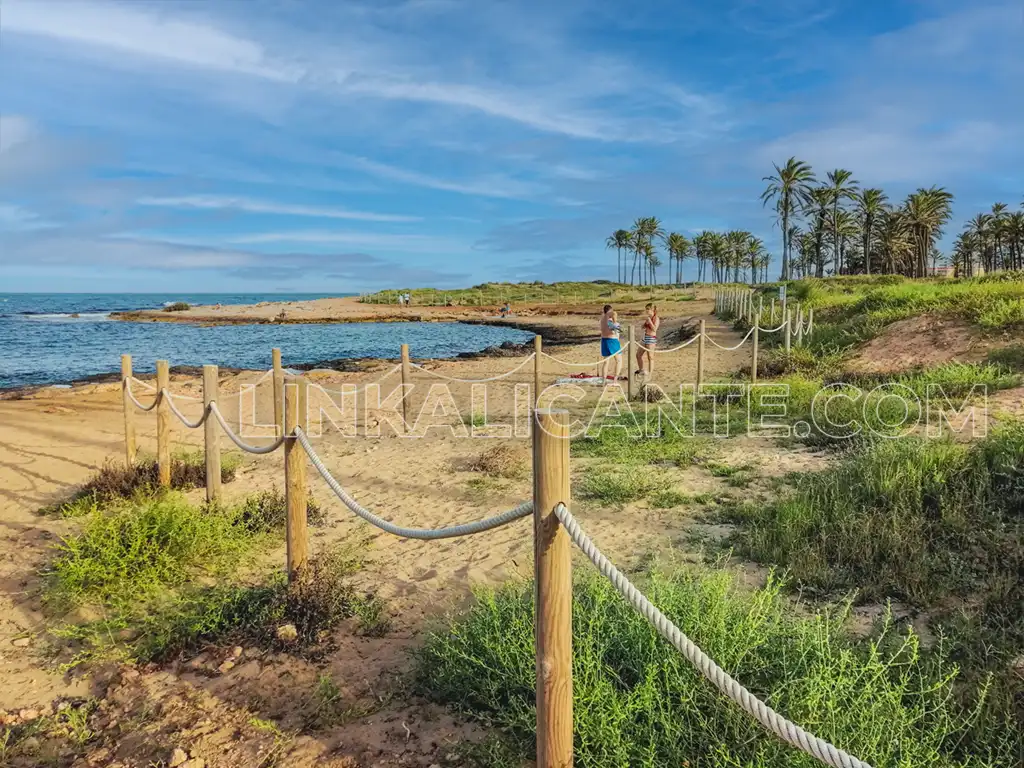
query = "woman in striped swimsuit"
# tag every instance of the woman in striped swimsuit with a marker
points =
(646, 348)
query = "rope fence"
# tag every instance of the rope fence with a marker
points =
(555, 530)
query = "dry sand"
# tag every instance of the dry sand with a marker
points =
(52, 440)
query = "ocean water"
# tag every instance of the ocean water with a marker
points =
(43, 344)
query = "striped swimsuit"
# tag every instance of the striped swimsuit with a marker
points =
(650, 339)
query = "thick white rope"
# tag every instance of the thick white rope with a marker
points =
(475, 381)
(772, 330)
(238, 441)
(685, 344)
(787, 731)
(147, 385)
(131, 396)
(560, 361)
(181, 417)
(730, 349)
(464, 529)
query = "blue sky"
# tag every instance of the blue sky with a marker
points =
(344, 146)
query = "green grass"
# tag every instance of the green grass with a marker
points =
(618, 485)
(624, 443)
(933, 523)
(521, 293)
(154, 576)
(638, 702)
(128, 550)
(1010, 358)
(68, 731)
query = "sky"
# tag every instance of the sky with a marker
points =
(350, 145)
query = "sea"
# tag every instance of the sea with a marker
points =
(43, 342)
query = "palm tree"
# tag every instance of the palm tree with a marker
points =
(644, 232)
(998, 225)
(870, 204)
(736, 243)
(788, 187)
(980, 230)
(702, 250)
(927, 210)
(678, 248)
(619, 240)
(1015, 236)
(841, 185)
(895, 242)
(846, 230)
(817, 205)
(755, 253)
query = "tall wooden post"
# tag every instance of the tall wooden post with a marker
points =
(631, 338)
(553, 590)
(163, 423)
(129, 411)
(799, 325)
(810, 321)
(753, 357)
(700, 355)
(295, 400)
(211, 434)
(406, 378)
(538, 349)
(773, 313)
(787, 315)
(760, 309)
(277, 376)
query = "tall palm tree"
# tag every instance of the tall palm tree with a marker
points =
(841, 186)
(870, 204)
(678, 248)
(1015, 235)
(844, 225)
(736, 243)
(927, 210)
(980, 230)
(702, 251)
(754, 253)
(645, 230)
(817, 205)
(895, 241)
(619, 240)
(999, 216)
(788, 187)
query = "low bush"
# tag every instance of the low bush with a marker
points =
(638, 702)
(266, 511)
(502, 460)
(178, 306)
(116, 481)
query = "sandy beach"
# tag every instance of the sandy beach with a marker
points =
(54, 439)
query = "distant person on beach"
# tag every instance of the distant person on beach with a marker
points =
(650, 340)
(506, 310)
(610, 347)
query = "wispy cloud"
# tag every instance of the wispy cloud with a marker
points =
(488, 186)
(374, 240)
(142, 33)
(247, 205)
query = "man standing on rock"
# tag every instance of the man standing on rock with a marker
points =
(610, 346)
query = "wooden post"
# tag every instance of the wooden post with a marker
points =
(295, 400)
(753, 357)
(163, 423)
(631, 337)
(810, 321)
(538, 347)
(760, 309)
(700, 355)
(129, 411)
(211, 434)
(799, 325)
(773, 313)
(553, 590)
(278, 380)
(787, 315)
(406, 376)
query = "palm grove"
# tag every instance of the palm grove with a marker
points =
(830, 227)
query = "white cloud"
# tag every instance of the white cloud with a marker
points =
(145, 34)
(219, 202)
(487, 186)
(419, 243)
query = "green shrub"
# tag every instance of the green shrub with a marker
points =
(178, 306)
(129, 549)
(618, 485)
(267, 511)
(115, 481)
(638, 702)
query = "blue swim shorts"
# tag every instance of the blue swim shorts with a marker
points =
(610, 347)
